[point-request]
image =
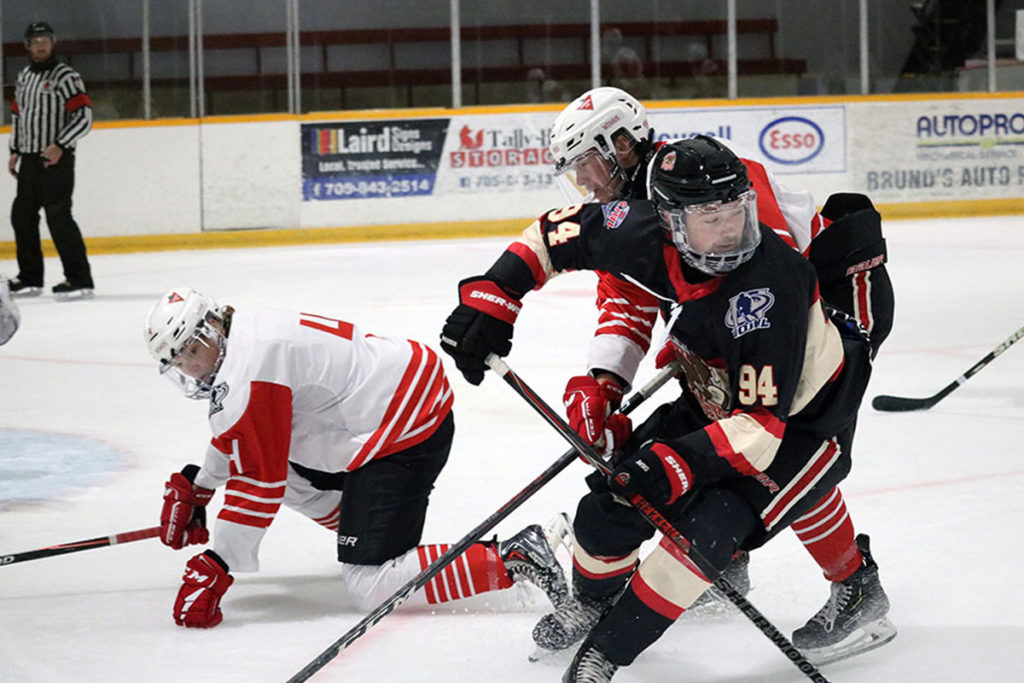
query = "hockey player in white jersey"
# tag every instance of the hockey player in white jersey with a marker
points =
(10, 317)
(348, 428)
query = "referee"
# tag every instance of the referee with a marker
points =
(50, 112)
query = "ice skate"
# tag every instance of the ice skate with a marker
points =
(19, 288)
(714, 601)
(529, 556)
(568, 624)
(66, 291)
(852, 621)
(589, 665)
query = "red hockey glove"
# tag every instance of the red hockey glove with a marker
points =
(204, 583)
(656, 471)
(668, 353)
(183, 518)
(588, 403)
(480, 325)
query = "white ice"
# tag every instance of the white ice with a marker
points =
(940, 492)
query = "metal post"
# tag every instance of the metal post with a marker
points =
(990, 19)
(192, 109)
(199, 59)
(297, 57)
(147, 93)
(595, 43)
(731, 43)
(3, 110)
(456, 55)
(289, 47)
(864, 82)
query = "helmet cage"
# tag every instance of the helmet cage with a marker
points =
(183, 317)
(196, 387)
(683, 222)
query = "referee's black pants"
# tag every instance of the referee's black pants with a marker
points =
(49, 189)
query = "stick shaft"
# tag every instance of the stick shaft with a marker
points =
(89, 544)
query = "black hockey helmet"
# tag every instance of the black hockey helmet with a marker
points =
(702, 194)
(39, 28)
(696, 170)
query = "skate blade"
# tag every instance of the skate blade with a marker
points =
(27, 293)
(558, 532)
(545, 656)
(77, 295)
(868, 637)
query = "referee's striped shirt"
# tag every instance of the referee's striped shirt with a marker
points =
(50, 106)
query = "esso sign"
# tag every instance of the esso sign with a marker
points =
(792, 140)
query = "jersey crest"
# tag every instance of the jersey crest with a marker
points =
(614, 214)
(748, 311)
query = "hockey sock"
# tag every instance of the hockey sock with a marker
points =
(629, 628)
(827, 534)
(330, 520)
(478, 570)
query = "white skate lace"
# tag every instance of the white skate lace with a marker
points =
(594, 668)
(836, 602)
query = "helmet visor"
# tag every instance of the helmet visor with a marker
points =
(590, 176)
(715, 237)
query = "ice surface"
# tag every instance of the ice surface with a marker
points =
(941, 492)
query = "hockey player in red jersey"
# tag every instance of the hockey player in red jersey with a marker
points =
(348, 428)
(603, 143)
(763, 430)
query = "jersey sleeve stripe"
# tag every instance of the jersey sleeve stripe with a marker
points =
(529, 257)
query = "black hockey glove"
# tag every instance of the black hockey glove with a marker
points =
(480, 325)
(656, 471)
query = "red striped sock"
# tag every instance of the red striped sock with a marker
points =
(827, 534)
(478, 570)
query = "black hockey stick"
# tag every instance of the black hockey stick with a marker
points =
(651, 513)
(901, 404)
(438, 565)
(64, 548)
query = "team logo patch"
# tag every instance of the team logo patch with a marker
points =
(748, 311)
(668, 162)
(217, 395)
(614, 214)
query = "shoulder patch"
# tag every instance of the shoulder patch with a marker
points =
(748, 311)
(614, 214)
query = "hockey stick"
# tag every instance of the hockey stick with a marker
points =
(658, 520)
(102, 541)
(438, 565)
(901, 404)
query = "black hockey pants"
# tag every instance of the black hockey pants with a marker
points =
(49, 189)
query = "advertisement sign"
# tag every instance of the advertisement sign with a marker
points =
(368, 159)
(955, 149)
(787, 140)
(497, 153)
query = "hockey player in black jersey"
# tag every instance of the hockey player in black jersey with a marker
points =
(766, 425)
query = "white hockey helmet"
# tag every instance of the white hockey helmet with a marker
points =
(588, 125)
(182, 316)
